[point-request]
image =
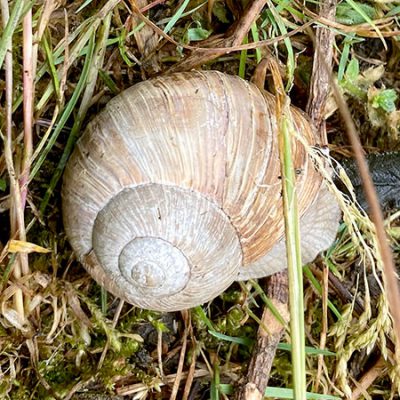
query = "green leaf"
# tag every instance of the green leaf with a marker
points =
(385, 100)
(195, 34)
(363, 10)
(220, 12)
(3, 185)
(353, 70)
(226, 388)
(345, 56)
(352, 14)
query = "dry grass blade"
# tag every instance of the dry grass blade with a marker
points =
(20, 266)
(175, 387)
(28, 70)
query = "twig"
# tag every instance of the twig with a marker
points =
(319, 87)
(192, 368)
(344, 294)
(235, 37)
(267, 342)
(215, 46)
(175, 387)
(368, 378)
(319, 91)
(142, 387)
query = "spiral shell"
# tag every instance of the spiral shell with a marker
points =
(173, 191)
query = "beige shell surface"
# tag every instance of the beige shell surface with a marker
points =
(318, 229)
(203, 140)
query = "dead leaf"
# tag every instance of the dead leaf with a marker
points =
(19, 246)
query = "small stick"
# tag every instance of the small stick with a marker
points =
(234, 37)
(368, 378)
(192, 368)
(320, 77)
(175, 387)
(267, 341)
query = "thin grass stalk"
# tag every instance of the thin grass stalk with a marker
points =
(293, 252)
(317, 286)
(15, 215)
(286, 134)
(28, 123)
(275, 312)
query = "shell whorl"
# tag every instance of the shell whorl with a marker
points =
(205, 137)
(165, 252)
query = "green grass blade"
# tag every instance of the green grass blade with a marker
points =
(269, 303)
(279, 393)
(108, 81)
(317, 286)
(89, 79)
(238, 340)
(291, 63)
(283, 393)
(243, 60)
(52, 67)
(295, 271)
(176, 16)
(82, 6)
(256, 38)
(64, 117)
(203, 317)
(281, 346)
(312, 351)
(12, 23)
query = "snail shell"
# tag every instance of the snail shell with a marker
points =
(173, 191)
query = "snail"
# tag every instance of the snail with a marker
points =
(173, 192)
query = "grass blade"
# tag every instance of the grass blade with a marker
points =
(12, 23)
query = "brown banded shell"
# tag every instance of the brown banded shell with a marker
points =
(173, 191)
